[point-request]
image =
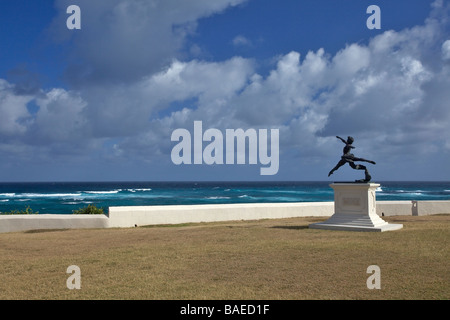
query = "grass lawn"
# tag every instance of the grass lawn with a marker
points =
(267, 259)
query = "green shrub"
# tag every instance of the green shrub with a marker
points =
(27, 210)
(90, 209)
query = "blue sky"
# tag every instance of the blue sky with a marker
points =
(101, 103)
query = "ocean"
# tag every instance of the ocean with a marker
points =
(64, 197)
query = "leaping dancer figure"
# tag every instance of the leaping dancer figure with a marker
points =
(349, 158)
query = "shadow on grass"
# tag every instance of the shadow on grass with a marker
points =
(45, 230)
(291, 227)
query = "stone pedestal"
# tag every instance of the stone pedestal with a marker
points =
(355, 209)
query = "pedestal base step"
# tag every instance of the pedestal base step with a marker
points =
(354, 227)
(367, 222)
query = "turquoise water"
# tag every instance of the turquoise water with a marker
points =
(63, 198)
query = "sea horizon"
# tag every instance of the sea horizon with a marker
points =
(65, 197)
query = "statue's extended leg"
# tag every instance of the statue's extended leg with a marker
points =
(361, 167)
(340, 164)
(365, 160)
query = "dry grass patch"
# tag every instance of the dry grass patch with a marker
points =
(268, 259)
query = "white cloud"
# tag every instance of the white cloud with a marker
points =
(60, 116)
(446, 50)
(208, 80)
(126, 109)
(241, 41)
(13, 110)
(124, 40)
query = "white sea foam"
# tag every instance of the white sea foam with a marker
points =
(217, 198)
(4, 200)
(8, 195)
(139, 189)
(104, 192)
(47, 195)
(76, 202)
(246, 196)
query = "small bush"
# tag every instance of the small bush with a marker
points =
(27, 210)
(90, 209)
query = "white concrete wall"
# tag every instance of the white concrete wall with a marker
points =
(431, 207)
(396, 208)
(124, 217)
(132, 216)
(15, 223)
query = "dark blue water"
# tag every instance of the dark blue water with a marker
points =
(63, 198)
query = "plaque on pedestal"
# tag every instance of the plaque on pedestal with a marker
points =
(355, 209)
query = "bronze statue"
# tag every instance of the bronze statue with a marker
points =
(349, 158)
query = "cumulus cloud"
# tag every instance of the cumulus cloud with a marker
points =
(446, 50)
(389, 92)
(392, 93)
(122, 40)
(13, 110)
(60, 116)
(58, 113)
